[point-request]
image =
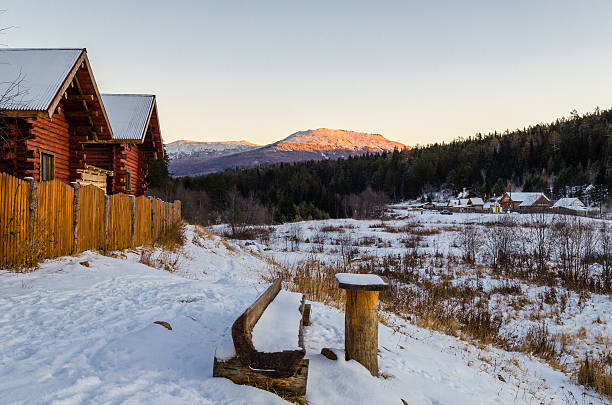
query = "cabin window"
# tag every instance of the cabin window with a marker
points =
(47, 166)
(128, 182)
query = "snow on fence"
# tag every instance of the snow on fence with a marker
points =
(51, 218)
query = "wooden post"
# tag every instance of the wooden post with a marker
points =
(106, 215)
(75, 217)
(177, 212)
(361, 328)
(133, 217)
(152, 220)
(33, 214)
(361, 317)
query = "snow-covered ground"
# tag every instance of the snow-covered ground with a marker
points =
(81, 330)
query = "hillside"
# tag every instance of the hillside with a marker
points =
(81, 330)
(318, 144)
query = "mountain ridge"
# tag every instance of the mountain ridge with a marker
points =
(312, 144)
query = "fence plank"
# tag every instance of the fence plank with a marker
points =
(90, 235)
(142, 234)
(14, 220)
(55, 214)
(119, 227)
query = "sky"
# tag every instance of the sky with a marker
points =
(416, 72)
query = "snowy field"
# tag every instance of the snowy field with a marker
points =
(81, 330)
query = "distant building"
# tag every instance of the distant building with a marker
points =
(476, 203)
(569, 203)
(466, 204)
(524, 201)
(492, 206)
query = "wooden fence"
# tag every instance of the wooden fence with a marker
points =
(50, 219)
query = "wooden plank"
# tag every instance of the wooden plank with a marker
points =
(234, 370)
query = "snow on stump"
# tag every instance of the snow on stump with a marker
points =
(266, 349)
(361, 317)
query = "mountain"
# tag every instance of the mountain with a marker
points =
(185, 154)
(336, 139)
(313, 144)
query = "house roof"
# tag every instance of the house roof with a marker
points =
(529, 199)
(34, 81)
(476, 201)
(568, 202)
(32, 78)
(522, 196)
(129, 114)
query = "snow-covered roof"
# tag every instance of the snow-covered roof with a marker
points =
(32, 78)
(524, 196)
(476, 201)
(129, 114)
(568, 202)
(528, 199)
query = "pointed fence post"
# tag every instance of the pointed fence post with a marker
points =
(133, 218)
(177, 210)
(151, 200)
(75, 217)
(33, 213)
(106, 215)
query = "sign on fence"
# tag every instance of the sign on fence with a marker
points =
(50, 219)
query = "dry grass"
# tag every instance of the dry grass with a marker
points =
(332, 228)
(160, 259)
(596, 374)
(173, 238)
(32, 253)
(165, 253)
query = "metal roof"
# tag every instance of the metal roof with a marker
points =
(31, 78)
(128, 114)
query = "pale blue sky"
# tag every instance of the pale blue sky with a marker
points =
(417, 72)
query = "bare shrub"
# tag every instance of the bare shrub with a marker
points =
(195, 204)
(318, 241)
(500, 242)
(244, 212)
(469, 242)
(368, 204)
(605, 257)
(347, 251)
(295, 236)
(540, 233)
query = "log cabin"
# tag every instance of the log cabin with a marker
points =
(136, 139)
(49, 107)
(524, 201)
(55, 124)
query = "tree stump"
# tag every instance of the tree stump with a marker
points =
(361, 317)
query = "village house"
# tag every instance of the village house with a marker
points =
(466, 204)
(476, 203)
(136, 139)
(524, 201)
(55, 124)
(569, 203)
(49, 106)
